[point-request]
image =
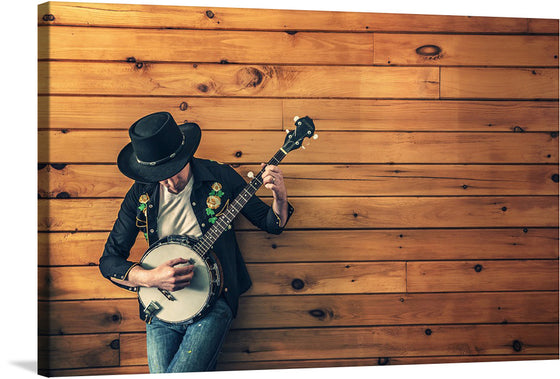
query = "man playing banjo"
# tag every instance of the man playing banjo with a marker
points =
(177, 194)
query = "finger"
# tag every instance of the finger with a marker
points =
(176, 261)
(179, 271)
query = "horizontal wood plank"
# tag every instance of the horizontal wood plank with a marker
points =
(336, 343)
(77, 283)
(155, 16)
(465, 50)
(421, 115)
(482, 276)
(75, 181)
(256, 312)
(58, 352)
(90, 112)
(85, 248)
(342, 213)
(82, 146)
(182, 79)
(542, 25)
(317, 363)
(375, 361)
(499, 83)
(364, 245)
(80, 283)
(327, 278)
(168, 45)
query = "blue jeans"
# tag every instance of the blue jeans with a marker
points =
(188, 347)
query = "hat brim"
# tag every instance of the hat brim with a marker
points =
(129, 166)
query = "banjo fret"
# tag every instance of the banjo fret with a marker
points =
(207, 241)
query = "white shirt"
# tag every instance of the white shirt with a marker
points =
(175, 215)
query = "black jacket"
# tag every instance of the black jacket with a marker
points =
(132, 219)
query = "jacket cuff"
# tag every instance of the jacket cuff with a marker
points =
(121, 273)
(273, 219)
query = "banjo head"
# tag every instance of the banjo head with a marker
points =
(188, 302)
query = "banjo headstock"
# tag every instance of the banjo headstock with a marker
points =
(304, 129)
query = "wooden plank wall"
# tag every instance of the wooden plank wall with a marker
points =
(426, 223)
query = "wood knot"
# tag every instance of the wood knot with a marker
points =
(504, 209)
(525, 230)
(298, 284)
(250, 77)
(517, 345)
(48, 17)
(115, 344)
(183, 106)
(554, 178)
(429, 51)
(478, 268)
(131, 59)
(238, 154)
(274, 246)
(58, 166)
(428, 332)
(518, 129)
(382, 361)
(318, 313)
(63, 195)
(554, 134)
(116, 317)
(210, 14)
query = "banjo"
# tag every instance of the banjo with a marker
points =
(191, 303)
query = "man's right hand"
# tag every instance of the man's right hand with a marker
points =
(172, 275)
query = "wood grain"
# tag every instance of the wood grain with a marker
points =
(499, 83)
(342, 213)
(182, 79)
(358, 147)
(165, 45)
(329, 343)
(256, 312)
(426, 214)
(91, 112)
(81, 283)
(154, 16)
(75, 181)
(522, 275)
(466, 50)
(420, 115)
(85, 248)
(327, 278)
(57, 352)
(317, 363)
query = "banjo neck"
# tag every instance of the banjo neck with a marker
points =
(204, 245)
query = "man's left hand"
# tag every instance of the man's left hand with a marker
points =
(274, 180)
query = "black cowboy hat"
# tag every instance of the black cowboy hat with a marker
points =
(159, 148)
